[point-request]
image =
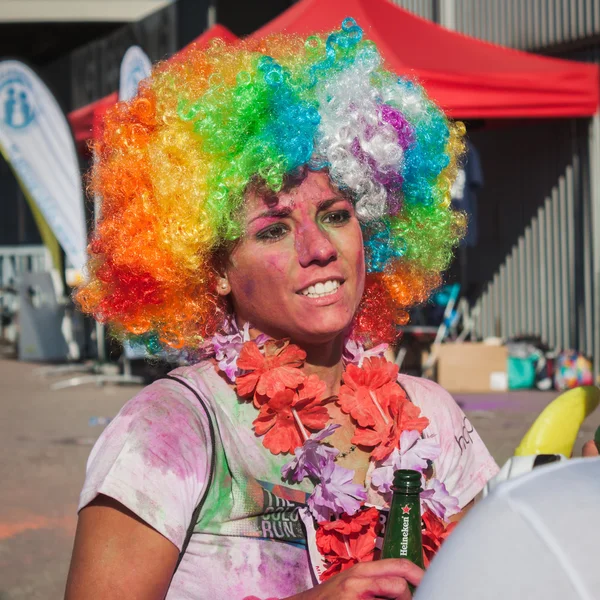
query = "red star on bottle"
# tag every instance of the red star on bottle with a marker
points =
(405, 509)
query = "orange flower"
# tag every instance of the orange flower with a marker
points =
(283, 417)
(277, 370)
(363, 387)
(434, 534)
(348, 540)
(379, 405)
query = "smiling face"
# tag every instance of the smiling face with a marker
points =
(299, 269)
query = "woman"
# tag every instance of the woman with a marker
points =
(279, 204)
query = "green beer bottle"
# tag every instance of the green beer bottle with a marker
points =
(403, 527)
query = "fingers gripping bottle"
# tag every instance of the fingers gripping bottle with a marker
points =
(403, 527)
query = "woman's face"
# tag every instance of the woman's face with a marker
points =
(299, 270)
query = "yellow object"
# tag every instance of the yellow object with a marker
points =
(555, 430)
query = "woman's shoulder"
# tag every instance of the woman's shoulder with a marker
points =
(162, 422)
(154, 457)
(165, 397)
(436, 403)
(421, 390)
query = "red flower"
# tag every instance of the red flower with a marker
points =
(348, 540)
(435, 532)
(364, 386)
(277, 370)
(276, 420)
(391, 413)
(372, 397)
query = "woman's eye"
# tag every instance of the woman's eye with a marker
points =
(272, 233)
(338, 217)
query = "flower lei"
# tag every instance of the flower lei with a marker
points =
(292, 418)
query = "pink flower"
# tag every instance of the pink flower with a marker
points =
(227, 347)
(436, 498)
(311, 457)
(414, 453)
(335, 493)
(355, 353)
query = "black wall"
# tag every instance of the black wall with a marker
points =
(244, 17)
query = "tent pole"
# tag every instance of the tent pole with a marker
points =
(594, 158)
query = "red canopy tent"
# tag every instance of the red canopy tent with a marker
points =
(469, 78)
(84, 119)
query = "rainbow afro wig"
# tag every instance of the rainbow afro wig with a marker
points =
(174, 164)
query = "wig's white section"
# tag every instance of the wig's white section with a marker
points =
(349, 105)
(407, 98)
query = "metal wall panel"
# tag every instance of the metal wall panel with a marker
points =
(528, 24)
(423, 8)
(535, 260)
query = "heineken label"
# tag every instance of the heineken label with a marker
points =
(405, 523)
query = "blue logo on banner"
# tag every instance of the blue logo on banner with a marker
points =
(16, 102)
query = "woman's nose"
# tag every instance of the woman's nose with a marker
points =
(314, 246)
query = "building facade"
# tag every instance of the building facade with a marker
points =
(537, 262)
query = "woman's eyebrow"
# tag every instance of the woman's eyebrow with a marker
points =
(281, 212)
(325, 204)
(277, 212)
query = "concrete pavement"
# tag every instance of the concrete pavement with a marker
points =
(45, 438)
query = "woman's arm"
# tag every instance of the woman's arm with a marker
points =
(118, 556)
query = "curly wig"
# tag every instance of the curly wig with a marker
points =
(173, 165)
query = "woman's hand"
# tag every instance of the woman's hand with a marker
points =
(388, 578)
(590, 449)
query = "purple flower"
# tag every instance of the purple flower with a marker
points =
(438, 500)
(382, 476)
(335, 493)
(414, 452)
(310, 458)
(227, 346)
(355, 353)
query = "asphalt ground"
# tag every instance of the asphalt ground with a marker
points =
(46, 436)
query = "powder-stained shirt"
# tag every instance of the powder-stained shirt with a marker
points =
(155, 456)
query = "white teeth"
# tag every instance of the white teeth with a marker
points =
(321, 289)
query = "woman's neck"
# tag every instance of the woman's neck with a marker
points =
(325, 360)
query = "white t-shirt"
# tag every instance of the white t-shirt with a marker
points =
(154, 458)
(533, 538)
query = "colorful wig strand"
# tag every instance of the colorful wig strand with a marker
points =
(175, 162)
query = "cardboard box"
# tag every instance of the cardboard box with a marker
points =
(472, 367)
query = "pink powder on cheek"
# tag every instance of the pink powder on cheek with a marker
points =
(278, 262)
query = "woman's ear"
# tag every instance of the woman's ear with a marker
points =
(223, 287)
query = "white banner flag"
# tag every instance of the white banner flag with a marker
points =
(135, 66)
(37, 143)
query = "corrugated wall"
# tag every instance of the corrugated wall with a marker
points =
(423, 8)
(538, 261)
(528, 24)
(534, 260)
(524, 24)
